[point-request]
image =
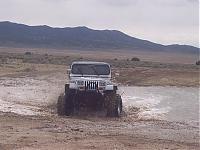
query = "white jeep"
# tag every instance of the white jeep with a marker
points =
(90, 86)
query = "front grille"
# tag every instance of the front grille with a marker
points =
(91, 85)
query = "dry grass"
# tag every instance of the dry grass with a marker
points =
(29, 69)
(139, 73)
(163, 57)
(157, 77)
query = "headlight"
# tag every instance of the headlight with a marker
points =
(80, 82)
(73, 82)
(109, 83)
(101, 83)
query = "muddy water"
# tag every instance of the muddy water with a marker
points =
(31, 95)
(168, 103)
(164, 108)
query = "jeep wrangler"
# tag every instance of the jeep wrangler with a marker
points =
(90, 86)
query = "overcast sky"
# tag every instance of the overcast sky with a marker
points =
(161, 21)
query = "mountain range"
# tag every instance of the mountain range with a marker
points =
(81, 38)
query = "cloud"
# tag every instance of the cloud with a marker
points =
(193, 1)
(162, 21)
(119, 2)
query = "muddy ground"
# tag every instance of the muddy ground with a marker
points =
(28, 119)
(53, 132)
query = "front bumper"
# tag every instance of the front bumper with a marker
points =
(92, 88)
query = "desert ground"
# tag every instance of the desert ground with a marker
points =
(31, 84)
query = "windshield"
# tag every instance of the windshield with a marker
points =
(91, 69)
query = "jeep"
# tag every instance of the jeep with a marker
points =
(90, 86)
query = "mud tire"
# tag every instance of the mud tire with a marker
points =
(65, 105)
(61, 105)
(119, 99)
(69, 104)
(113, 104)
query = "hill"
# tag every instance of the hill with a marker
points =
(20, 35)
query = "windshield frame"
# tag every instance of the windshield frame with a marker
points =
(93, 67)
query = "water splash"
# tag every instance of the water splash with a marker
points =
(143, 106)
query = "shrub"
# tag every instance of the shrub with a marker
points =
(81, 58)
(28, 53)
(4, 60)
(135, 59)
(198, 62)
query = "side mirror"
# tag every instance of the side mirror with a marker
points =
(68, 71)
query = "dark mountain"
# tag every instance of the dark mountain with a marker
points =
(19, 35)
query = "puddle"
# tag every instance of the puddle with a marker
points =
(168, 103)
(26, 96)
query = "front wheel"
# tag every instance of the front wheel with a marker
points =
(113, 103)
(119, 106)
(61, 105)
(65, 105)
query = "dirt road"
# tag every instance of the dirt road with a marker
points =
(28, 120)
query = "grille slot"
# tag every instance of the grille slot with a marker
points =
(91, 85)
